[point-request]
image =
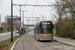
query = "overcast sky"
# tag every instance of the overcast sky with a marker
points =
(5, 8)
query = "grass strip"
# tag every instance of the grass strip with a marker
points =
(7, 44)
(5, 31)
(54, 31)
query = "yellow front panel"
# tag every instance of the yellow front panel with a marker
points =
(46, 23)
(46, 35)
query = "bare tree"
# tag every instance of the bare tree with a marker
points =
(5, 25)
(65, 15)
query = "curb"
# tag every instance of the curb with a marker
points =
(67, 43)
(12, 48)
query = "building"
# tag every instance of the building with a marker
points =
(0, 20)
(30, 26)
(8, 19)
(0, 24)
(16, 21)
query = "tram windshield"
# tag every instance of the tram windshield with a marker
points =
(46, 28)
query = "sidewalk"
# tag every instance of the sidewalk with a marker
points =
(24, 43)
(65, 40)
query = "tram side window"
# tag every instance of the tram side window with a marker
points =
(35, 30)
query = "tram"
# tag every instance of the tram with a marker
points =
(44, 31)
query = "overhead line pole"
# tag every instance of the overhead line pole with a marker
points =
(23, 21)
(20, 15)
(23, 18)
(11, 20)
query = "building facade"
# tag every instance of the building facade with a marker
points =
(0, 20)
(16, 21)
(0, 24)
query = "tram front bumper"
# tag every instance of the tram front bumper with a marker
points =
(46, 38)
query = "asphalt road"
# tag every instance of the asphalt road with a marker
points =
(28, 42)
(6, 36)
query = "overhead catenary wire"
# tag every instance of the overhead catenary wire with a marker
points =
(42, 7)
(37, 2)
(34, 7)
(33, 10)
(44, 2)
(42, 10)
(16, 7)
(26, 3)
(25, 8)
(24, 0)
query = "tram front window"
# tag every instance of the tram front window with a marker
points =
(46, 28)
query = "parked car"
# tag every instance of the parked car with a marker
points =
(16, 31)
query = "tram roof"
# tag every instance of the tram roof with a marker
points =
(46, 21)
(43, 21)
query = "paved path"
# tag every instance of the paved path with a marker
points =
(4, 36)
(65, 40)
(25, 44)
(28, 42)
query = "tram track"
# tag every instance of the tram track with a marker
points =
(29, 41)
(32, 43)
(48, 44)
